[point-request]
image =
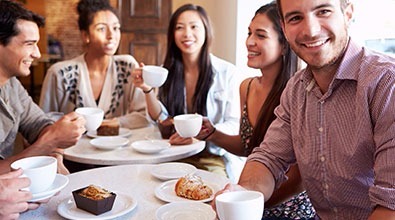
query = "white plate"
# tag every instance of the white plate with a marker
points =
(166, 192)
(109, 143)
(122, 205)
(123, 132)
(150, 146)
(185, 210)
(168, 171)
(59, 183)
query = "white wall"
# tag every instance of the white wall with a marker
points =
(245, 12)
(372, 20)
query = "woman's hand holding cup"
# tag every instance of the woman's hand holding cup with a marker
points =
(207, 130)
(137, 76)
(176, 139)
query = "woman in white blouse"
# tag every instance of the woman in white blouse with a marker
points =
(198, 82)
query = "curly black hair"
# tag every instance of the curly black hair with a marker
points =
(88, 8)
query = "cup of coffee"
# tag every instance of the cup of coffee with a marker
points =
(41, 170)
(188, 125)
(93, 117)
(237, 205)
(154, 76)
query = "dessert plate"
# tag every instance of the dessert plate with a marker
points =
(166, 192)
(109, 142)
(122, 205)
(123, 132)
(185, 210)
(150, 146)
(59, 183)
(174, 170)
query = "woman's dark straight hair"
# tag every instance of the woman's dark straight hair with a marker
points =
(290, 62)
(171, 94)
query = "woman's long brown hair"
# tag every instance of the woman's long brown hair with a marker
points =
(290, 61)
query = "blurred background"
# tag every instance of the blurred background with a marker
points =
(144, 27)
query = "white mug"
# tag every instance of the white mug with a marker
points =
(238, 205)
(41, 170)
(188, 125)
(93, 117)
(154, 76)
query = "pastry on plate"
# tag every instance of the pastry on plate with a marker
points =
(192, 187)
(94, 199)
(95, 192)
(109, 127)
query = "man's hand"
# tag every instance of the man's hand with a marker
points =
(228, 188)
(64, 133)
(13, 200)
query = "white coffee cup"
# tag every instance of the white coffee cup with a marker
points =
(188, 125)
(154, 76)
(41, 170)
(238, 205)
(93, 117)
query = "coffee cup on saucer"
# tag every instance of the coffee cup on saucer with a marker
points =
(41, 170)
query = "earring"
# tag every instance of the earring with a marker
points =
(87, 41)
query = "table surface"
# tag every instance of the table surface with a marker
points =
(84, 152)
(134, 180)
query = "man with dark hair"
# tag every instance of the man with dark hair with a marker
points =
(336, 118)
(19, 35)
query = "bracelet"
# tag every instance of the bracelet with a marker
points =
(211, 133)
(149, 90)
(58, 153)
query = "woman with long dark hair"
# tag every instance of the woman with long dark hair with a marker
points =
(198, 82)
(268, 51)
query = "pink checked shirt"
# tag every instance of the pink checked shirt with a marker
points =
(343, 140)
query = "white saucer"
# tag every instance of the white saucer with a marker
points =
(150, 146)
(122, 205)
(166, 192)
(123, 132)
(59, 183)
(109, 143)
(173, 170)
(185, 210)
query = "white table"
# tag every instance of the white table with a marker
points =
(84, 152)
(134, 180)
